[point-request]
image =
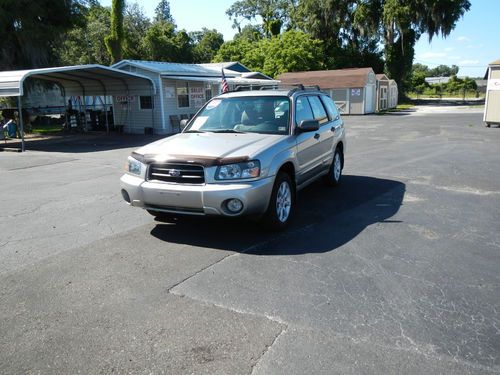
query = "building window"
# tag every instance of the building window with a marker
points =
(183, 95)
(208, 92)
(146, 102)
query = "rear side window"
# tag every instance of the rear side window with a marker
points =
(302, 110)
(330, 107)
(318, 109)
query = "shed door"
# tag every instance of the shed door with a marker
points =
(370, 99)
(492, 113)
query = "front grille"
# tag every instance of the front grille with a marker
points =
(177, 173)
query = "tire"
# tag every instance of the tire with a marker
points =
(282, 203)
(334, 175)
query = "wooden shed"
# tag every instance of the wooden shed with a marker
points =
(393, 94)
(492, 107)
(353, 90)
(382, 92)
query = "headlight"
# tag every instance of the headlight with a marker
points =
(248, 169)
(133, 166)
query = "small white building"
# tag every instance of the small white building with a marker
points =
(353, 90)
(181, 90)
(492, 106)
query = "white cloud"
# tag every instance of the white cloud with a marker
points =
(432, 55)
(468, 62)
(449, 49)
(463, 39)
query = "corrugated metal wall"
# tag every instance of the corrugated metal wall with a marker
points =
(130, 115)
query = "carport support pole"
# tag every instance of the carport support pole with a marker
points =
(21, 123)
(106, 113)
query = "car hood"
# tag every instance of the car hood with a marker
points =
(209, 145)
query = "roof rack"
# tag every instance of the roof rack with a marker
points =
(294, 87)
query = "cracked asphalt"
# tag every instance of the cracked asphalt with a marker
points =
(394, 272)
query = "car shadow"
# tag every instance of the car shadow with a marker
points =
(326, 218)
(81, 143)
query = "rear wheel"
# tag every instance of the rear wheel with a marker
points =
(335, 173)
(282, 203)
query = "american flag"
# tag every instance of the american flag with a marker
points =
(225, 86)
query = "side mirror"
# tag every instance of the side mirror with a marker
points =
(308, 126)
(184, 123)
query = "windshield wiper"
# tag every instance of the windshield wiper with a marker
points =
(226, 131)
(194, 131)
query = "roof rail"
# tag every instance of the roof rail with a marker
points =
(301, 87)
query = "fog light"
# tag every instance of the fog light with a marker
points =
(234, 205)
(125, 196)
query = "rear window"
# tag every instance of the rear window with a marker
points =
(330, 107)
(318, 109)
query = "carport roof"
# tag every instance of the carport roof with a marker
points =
(77, 80)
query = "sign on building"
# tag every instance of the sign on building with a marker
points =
(124, 98)
(197, 96)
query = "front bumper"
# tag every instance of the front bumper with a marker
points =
(207, 199)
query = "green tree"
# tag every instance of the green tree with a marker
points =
(31, 32)
(239, 50)
(291, 51)
(206, 44)
(347, 43)
(162, 12)
(163, 43)
(251, 33)
(274, 13)
(84, 44)
(402, 22)
(136, 24)
(444, 71)
(114, 42)
(288, 52)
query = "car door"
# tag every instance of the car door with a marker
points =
(336, 124)
(325, 130)
(309, 153)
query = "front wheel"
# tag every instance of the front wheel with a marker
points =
(282, 203)
(335, 173)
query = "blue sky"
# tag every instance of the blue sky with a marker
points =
(471, 46)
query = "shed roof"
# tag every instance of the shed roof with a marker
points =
(91, 80)
(496, 62)
(381, 77)
(327, 79)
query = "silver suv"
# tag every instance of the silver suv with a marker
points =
(244, 153)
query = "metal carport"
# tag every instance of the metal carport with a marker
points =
(84, 80)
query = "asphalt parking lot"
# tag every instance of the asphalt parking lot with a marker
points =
(394, 272)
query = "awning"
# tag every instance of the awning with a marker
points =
(230, 80)
(87, 80)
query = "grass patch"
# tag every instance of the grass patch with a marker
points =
(405, 106)
(399, 108)
(46, 129)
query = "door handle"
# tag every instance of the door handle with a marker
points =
(333, 128)
(316, 136)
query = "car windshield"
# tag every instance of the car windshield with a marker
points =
(249, 114)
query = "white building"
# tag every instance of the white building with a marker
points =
(181, 90)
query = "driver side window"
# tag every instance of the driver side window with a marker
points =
(302, 110)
